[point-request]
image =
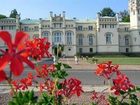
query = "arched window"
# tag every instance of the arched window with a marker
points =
(69, 38)
(45, 35)
(126, 40)
(80, 40)
(108, 38)
(57, 37)
(90, 40)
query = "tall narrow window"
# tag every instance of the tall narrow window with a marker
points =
(126, 40)
(108, 38)
(80, 40)
(57, 37)
(69, 38)
(90, 40)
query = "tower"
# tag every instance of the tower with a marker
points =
(134, 10)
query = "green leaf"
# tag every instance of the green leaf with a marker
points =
(58, 66)
(66, 66)
(59, 86)
(138, 89)
(122, 92)
(11, 103)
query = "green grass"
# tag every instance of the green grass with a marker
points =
(120, 60)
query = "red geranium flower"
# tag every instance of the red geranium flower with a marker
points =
(121, 83)
(16, 54)
(107, 69)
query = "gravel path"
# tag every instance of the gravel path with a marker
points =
(83, 99)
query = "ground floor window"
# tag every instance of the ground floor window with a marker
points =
(80, 50)
(90, 50)
(127, 49)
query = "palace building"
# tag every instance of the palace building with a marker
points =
(100, 35)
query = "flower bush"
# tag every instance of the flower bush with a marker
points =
(49, 79)
(123, 91)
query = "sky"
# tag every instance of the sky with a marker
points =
(81, 9)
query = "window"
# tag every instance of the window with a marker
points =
(90, 40)
(90, 28)
(36, 28)
(26, 28)
(108, 38)
(80, 50)
(80, 40)
(69, 38)
(80, 28)
(57, 37)
(126, 40)
(127, 49)
(126, 28)
(45, 35)
(90, 50)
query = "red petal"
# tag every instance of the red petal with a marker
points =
(27, 62)
(6, 37)
(2, 75)
(16, 66)
(4, 61)
(99, 71)
(20, 38)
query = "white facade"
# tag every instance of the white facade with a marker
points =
(102, 35)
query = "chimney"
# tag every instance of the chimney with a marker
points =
(51, 14)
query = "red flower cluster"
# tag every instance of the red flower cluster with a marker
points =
(121, 83)
(99, 98)
(38, 48)
(15, 55)
(70, 87)
(23, 84)
(47, 86)
(107, 69)
(44, 70)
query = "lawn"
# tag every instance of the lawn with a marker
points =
(119, 60)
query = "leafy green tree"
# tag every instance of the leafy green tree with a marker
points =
(124, 15)
(13, 13)
(2, 16)
(107, 12)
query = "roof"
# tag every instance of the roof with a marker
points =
(107, 17)
(8, 18)
(29, 21)
(86, 21)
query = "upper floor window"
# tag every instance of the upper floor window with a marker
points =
(90, 40)
(126, 28)
(45, 35)
(36, 28)
(57, 37)
(126, 40)
(69, 38)
(108, 38)
(26, 28)
(90, 27)
(80, 40)
(79, 28)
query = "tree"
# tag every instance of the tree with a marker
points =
(107, 12)
(2, 16)
(13, 13)
(124, 16)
